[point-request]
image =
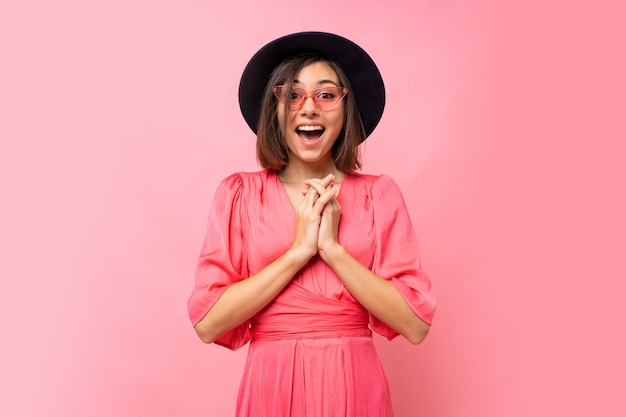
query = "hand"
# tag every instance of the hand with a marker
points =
(327, 240)
(309, 217)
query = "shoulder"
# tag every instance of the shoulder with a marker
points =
(247, 180)
(381, 191)
(236, 187)
(374, 182)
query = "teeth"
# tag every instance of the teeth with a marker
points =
(310, 128)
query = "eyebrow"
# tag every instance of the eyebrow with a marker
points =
(296, 81)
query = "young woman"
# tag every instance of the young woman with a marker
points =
(303, 258)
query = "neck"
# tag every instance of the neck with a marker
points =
(297, 172)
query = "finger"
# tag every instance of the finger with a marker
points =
(328, 208)
(326, 181)
(321, 189)
(310, 196)
(317, 186)
(326, 197)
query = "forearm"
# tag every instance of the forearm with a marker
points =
(245, 298)
(377, 295)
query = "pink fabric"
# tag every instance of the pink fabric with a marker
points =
(311, 352)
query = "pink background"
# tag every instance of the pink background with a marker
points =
(505, 129)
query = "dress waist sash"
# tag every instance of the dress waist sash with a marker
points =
(299, 314)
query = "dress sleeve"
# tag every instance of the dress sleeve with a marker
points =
(222, 259)
(397, 255)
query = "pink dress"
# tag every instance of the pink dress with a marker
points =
(311, 352)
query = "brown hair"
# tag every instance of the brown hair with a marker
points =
(272, 151)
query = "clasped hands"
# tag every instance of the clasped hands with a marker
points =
(317, 218)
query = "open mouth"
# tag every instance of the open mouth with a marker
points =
(310, 132)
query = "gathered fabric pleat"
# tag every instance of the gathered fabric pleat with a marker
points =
(331, 377)
(325, 363)
(298, 313)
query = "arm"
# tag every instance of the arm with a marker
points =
(242, 299)
(395, 303)
(378, 295)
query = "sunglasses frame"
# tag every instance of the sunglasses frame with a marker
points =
(341, 92)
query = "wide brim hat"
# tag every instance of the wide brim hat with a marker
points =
(367, 85)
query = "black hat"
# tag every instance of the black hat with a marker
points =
(367, 84)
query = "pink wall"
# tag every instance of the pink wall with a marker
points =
(504, 128)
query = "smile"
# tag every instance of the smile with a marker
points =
(310, 132)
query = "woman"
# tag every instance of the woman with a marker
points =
(304, 257)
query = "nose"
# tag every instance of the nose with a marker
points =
(309, 106)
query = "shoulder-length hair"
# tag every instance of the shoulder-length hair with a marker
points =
(272, 151)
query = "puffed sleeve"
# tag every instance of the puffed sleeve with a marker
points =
(222, 259)
(397, 255)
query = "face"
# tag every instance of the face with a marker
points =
(312, 131)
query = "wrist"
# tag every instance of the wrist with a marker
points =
(297, 257)
(332, 253)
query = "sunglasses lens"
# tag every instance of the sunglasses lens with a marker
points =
(328, 97)
(324, 98)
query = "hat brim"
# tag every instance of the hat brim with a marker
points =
(367, 84)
